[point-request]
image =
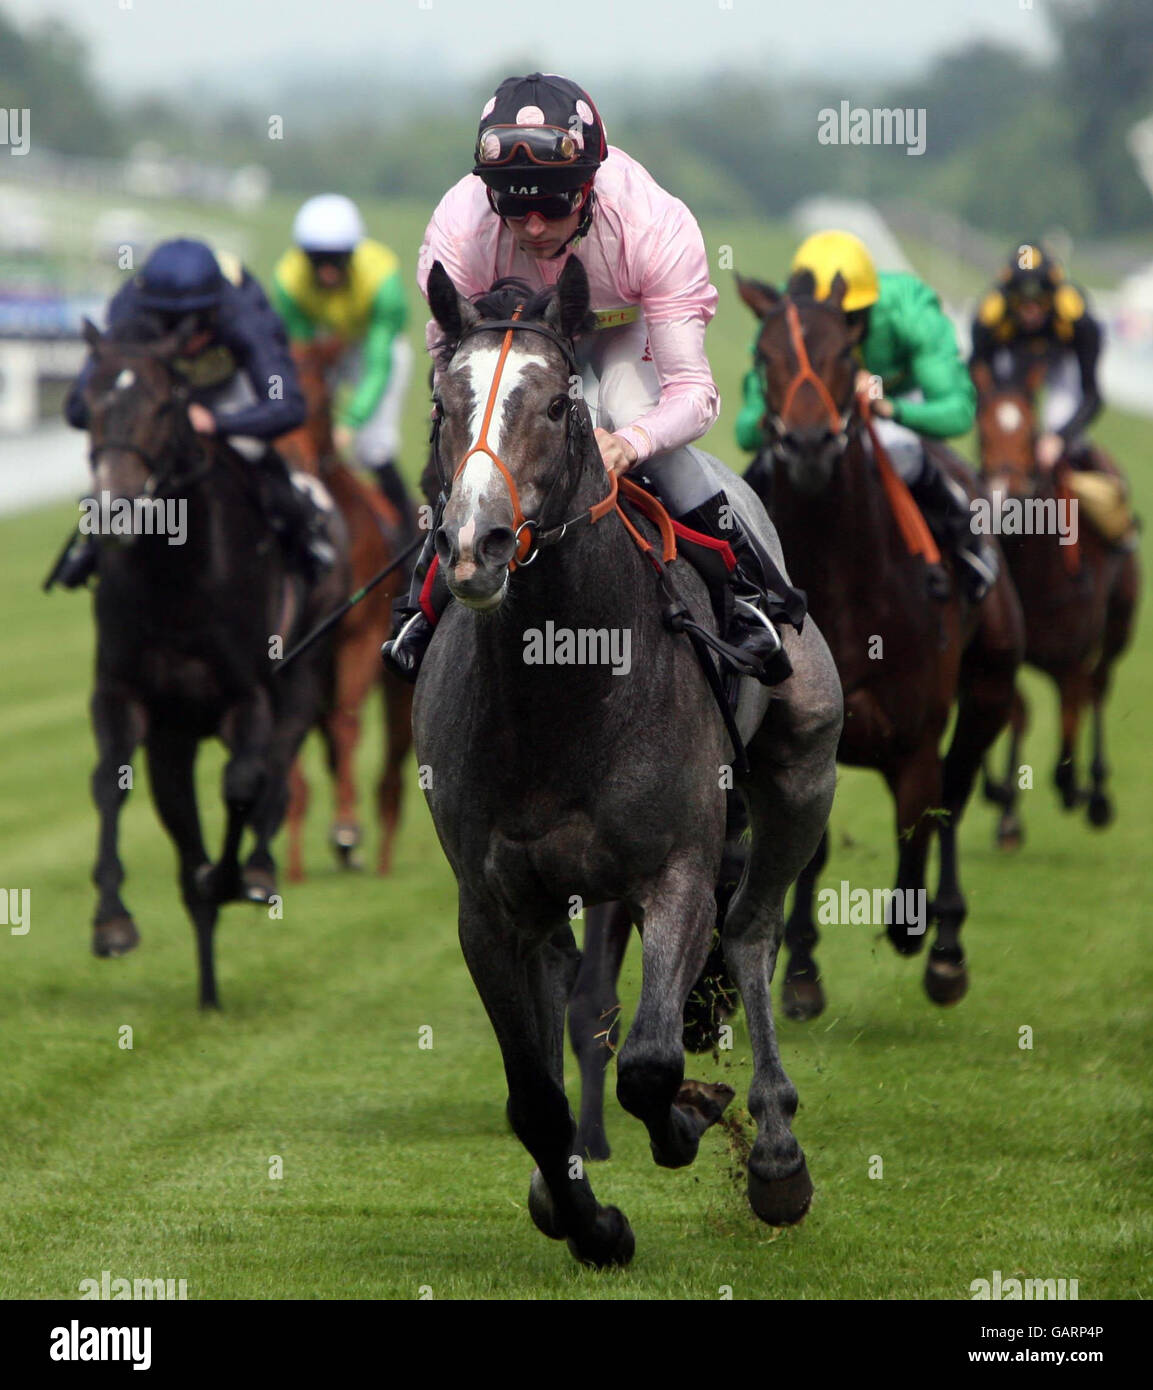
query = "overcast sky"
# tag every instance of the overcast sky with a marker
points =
(165, 43)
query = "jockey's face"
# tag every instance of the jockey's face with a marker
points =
(330, 269)
(1032, 313)
(540, 236)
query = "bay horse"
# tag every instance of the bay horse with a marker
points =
(375, 532)
(1079, 599)
(554, 783)
(185, 640)
(904, 658)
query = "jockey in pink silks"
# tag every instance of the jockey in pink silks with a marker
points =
(545, 185)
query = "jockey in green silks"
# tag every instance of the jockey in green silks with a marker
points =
(338, 282)
(909, 344)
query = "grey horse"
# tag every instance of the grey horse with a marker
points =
(560, 774)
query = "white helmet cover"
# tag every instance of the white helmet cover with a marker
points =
(328, 222)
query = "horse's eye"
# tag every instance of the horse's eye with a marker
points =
(557, 407)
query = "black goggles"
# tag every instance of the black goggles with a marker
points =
(198, 320)
(338, 259)
(539, 144)
(1030, 291)
(552, 208)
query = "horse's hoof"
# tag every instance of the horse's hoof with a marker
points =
(781, 1201)
(116, 937)
(1010, 834)
(217, 890)
(1100, 810)
(707, 1099)
(610, 1242)
(259, 885)
(345, 841)
(904, 942)
(541, 1209)
(996, 793)
(946, 981)
(802, 997)
(595, 1148)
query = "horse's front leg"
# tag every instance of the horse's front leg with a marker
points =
(679, 912)
(397, 709)
(1073, 687)
(594, 1017)
(1010, 831)
(171, 773)
(524, 980)
(916, 786)
(248, 731)
(118, 725)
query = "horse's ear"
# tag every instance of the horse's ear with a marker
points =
(568, 310)
(451, 310)
(837, 291)
(760, 298)
(92, 335)
(982, 378)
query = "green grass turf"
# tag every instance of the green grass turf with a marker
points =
(399, 1171)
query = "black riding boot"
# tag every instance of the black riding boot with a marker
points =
(391, 486)
(76, 565)
(296, 518)
(945, 507)
(746, 601)
(413, 629)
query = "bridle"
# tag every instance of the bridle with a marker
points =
(160, 479)
(839, 420)
(529, 532)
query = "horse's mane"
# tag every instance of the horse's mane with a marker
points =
(802, 285)
(500, 301)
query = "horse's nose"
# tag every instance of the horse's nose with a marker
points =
(446, 548)
(497, 546)
(490, 549)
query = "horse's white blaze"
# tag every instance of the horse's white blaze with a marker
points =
(480, 482)
(1009, 416)
(126, 379)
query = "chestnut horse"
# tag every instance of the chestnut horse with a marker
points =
(904, 658)
(375, 533)
(1079, 599)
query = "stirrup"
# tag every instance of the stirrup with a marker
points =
(404, 653)
(768, 650)
(981, 575)
(753, 614)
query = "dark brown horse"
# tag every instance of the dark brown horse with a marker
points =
(904, 658)
(375, 532)
(1079, 597)
(185, 633)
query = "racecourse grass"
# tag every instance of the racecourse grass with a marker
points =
(399, 1171)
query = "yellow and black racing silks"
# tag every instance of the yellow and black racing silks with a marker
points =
(369, 309)
(1069, 327)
